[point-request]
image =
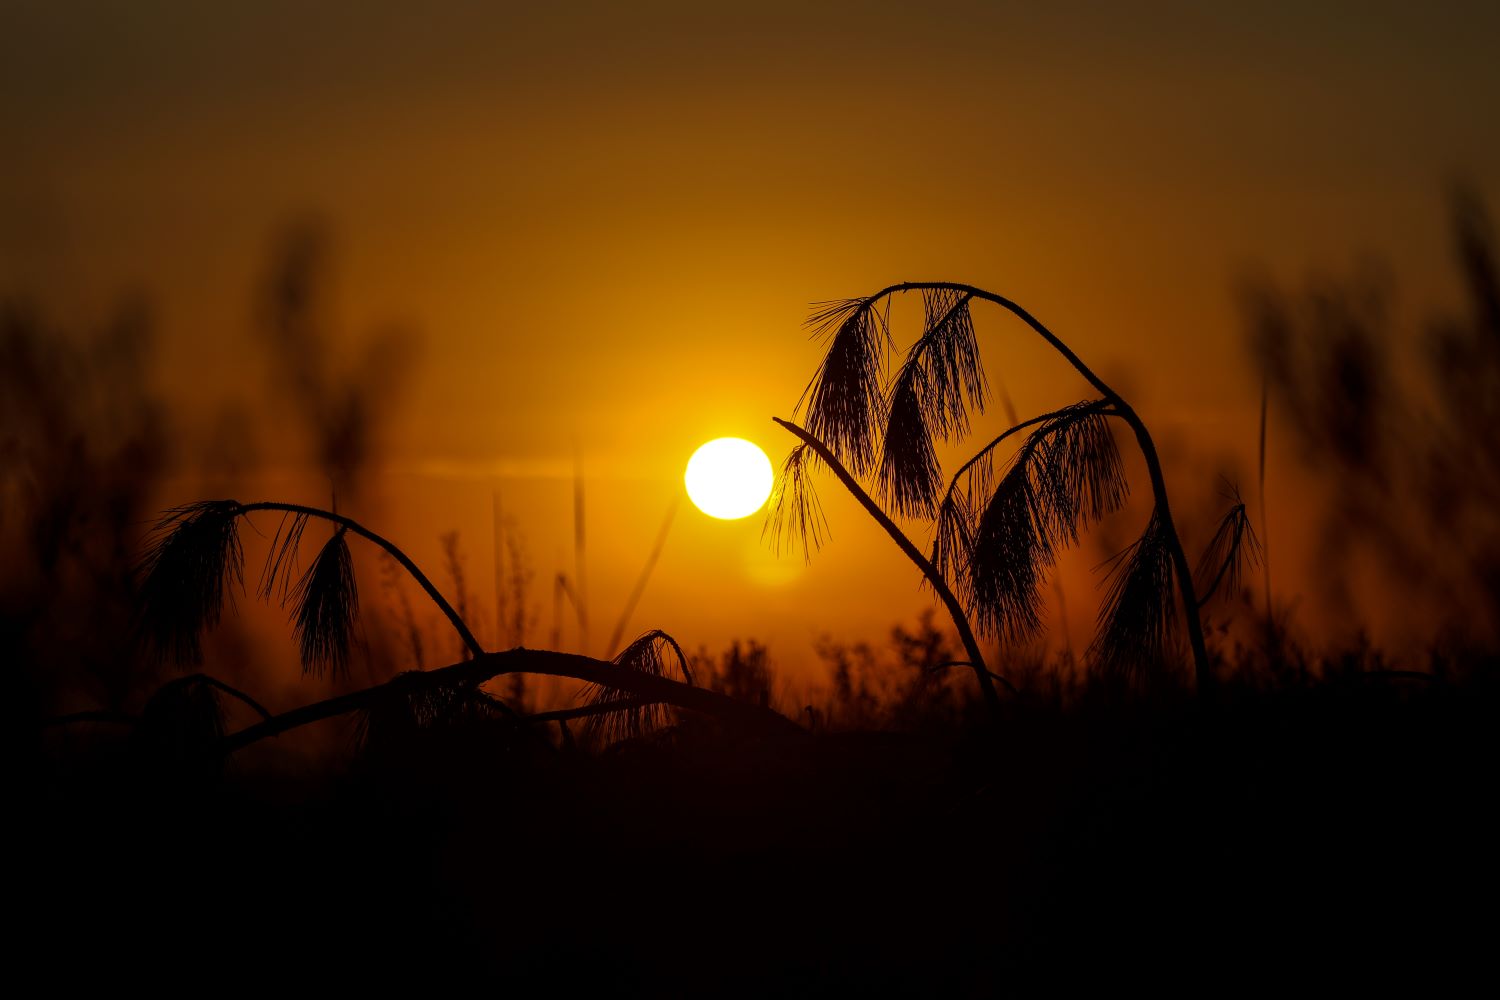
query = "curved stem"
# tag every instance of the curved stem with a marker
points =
(965, 663)
(1203, 674)
(459, 625)
(1099, 406)
(921, 346)
(1213, 588)
(233, 692)
(1190, 602)
(934, 578)
(486, 666)
(645, 578)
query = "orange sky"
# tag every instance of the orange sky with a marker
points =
(607, 225)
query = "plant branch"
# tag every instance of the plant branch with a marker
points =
(934, 578)
(486, 666)
(231, 691)
(1190, 602)
(1099, 406)
(459, 625)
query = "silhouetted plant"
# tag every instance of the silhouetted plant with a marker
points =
(656, 654)
(195, 562)
(997, 531)
(401, 716)
(181, 729)
(1233, 548)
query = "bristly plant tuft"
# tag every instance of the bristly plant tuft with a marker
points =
(1135, 623)
(655, 653)
(1233, 549)
(796, 513)
(193, 559)
(392, 723)
(846, 398)
(326, 604)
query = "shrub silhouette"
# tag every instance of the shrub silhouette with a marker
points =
(998, 530)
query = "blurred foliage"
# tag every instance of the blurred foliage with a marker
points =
(1399, 428)
(84, 444)
(89, 445)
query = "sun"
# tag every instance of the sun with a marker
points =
(728, 478)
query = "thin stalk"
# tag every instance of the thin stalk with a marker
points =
(486, 666)
(1265, 531)
(580, 562)
(497, 536)
(233, 692)
(639, 589)
(934, 578)
(1203, 672)
(1201, 667)
(459, 625)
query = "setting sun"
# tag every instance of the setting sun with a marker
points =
(728, 478)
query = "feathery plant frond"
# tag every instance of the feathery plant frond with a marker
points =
(1233, 549)
(1009, 556)
(953, 540)
(949, 350)
(1080, 462)
(909, 471)
(796, 514)
(1066, 475)
(193, 554)
(1099, 482)
(326, 601)
(654, 653)
(196, 548)
(404, 714)
(1135, 623)
(845, 398)
(281, 561)
(928, 399)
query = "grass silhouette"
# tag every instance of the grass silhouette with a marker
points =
(997, 532)
(195, 563)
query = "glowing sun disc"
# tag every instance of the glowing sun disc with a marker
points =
(728, 478)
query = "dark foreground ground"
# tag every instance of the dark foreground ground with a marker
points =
(1318, 838)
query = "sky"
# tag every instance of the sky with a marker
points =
(605, 223)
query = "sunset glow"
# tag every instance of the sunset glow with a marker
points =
(1092, 569)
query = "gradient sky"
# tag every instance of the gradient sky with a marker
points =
(607, 222)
